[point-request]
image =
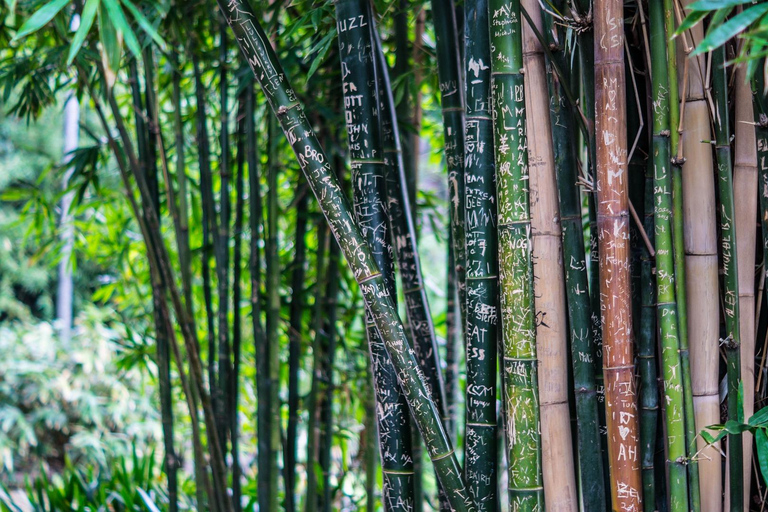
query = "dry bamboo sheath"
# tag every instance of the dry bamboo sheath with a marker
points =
(700, 232)
(613, 246)
(560, 491)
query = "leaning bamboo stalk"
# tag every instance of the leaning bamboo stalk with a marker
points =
(452, 104)
(480, 446)
(728, 249)
(700, 241)
(367, 158)
(745, 182)
(548, 277)
(565, 136)
(518, 328)
(263, 61)
(613, 242)
(666, 306)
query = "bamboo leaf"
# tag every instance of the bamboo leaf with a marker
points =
(40, 18)
(690, 21)
(86, 21)
(720, 35)
(734, 427)
(121, 25)
(111, 44)
(760, 418)
(761, 440)
(144, 23)
(712, 5)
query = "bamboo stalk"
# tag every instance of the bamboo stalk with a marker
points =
(520, 373)
(482, 290)
(666, 306)
(452, 104)
(700, 240)
(565, 144)
(613, 241)
(368, 161)
(451, 347)
(745, 182)
(263, 61)
(729, 253)
(548, 277)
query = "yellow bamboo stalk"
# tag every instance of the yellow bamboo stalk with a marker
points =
(560, 492)
(700, 240)
(745, 190)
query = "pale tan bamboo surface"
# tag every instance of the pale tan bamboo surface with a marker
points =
(560, 492)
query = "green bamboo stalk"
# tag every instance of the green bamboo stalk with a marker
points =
(482, 288)
(263, 61)
(295, 330)
(451, 347)
(518, 330)
(271, 355)
(646, 351)
(237, 255)
(678, 244)
(730, 271)
(366, 149)
(221, 250)
(452, 104)
(761, 134)
(565, 137)
(665, 268)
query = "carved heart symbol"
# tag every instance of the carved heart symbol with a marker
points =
(623, 431)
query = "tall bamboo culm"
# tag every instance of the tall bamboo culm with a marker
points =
(613, 246)
(480, 445)
(366, 149)
(565, 139)
(701, 263)
(548, 276)
(666, 307)
(730, 293)
(316, 167)
(518, 329)
(745, 188)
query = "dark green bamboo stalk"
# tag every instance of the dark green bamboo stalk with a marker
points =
(237, 255)
(263, 61)
(451, 347)
(452, 104)
(482, 289)
(665, 268)
(221, 250)
(565, 138)
(271, 355)
(646, 351)
(761, 134)
(295, 330)
(366, 149)
(405, 114)
(314, 400)
(730, 271)
(209, 219)
(520, 390)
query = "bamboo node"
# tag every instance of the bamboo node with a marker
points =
(281, 110)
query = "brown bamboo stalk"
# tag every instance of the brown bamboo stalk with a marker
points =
(560, 492)
(745, 190)
(700, 241)
(613, 247)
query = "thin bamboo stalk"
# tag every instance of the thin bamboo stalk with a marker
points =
(613, 241)
(745, 182)
(666, 306)
(548, 277)
(263, 61)
(565, 144)
(452, 104)
(451, 347)
(482, 290)
(728, 248)
(700, 241)
(518, 328)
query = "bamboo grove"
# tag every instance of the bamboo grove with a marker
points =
(596, 338)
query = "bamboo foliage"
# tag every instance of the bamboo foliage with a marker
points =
(264, 64)
(613, 240)
(518, 330)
